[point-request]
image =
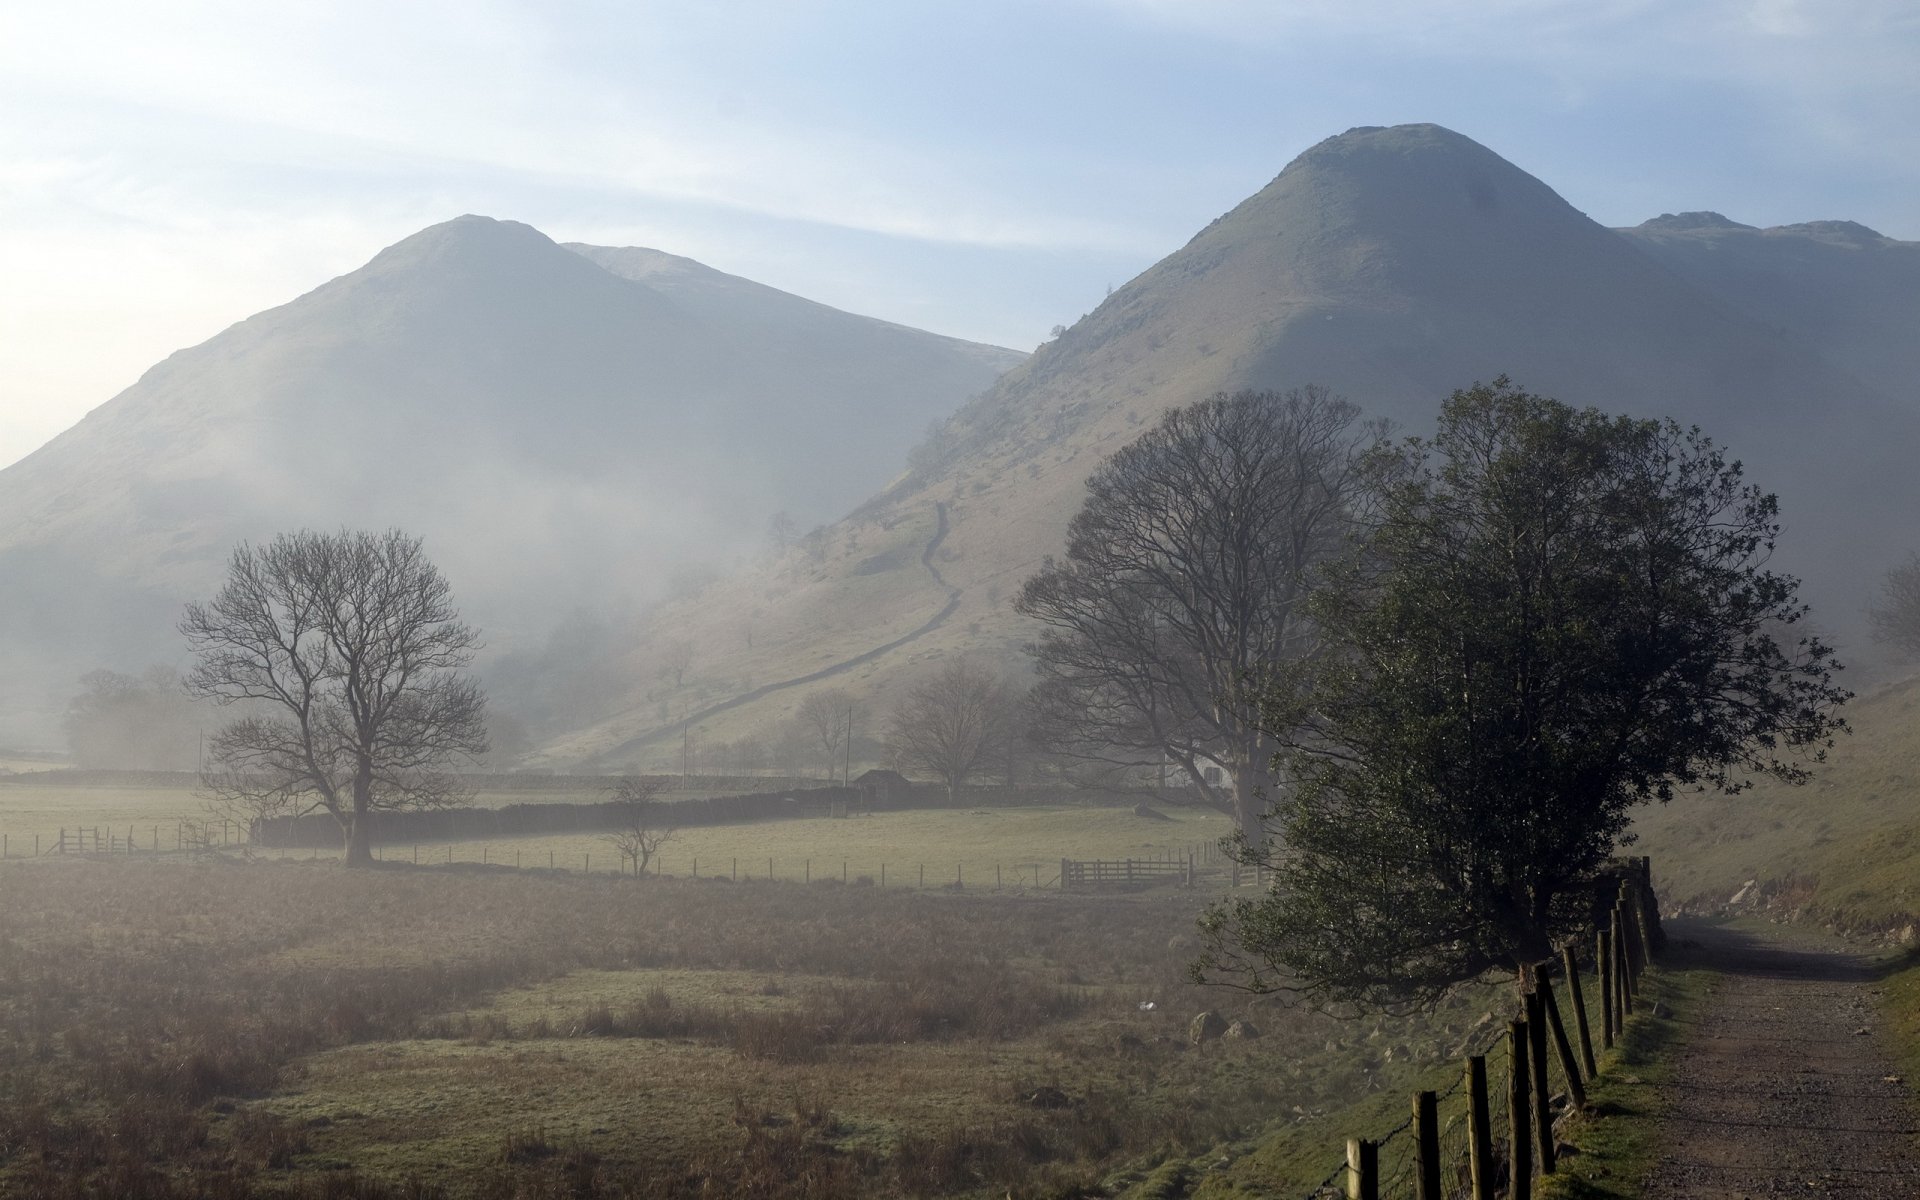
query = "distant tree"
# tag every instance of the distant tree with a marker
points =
(133, 722)
(1559, 615)
(644, 823)
(828, 719)
(1183, 590)
(349, 651)
(782, 529)
(814, 544)
(951, 724)
(676, 658)
(1896, 618)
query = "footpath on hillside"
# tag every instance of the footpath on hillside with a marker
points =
(1785, 1086)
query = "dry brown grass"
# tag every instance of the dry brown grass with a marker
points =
(149, 1013)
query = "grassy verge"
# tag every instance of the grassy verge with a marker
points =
(1616, 1143)
(1899, 999)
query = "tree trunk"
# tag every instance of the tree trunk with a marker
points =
(360, 827)
(1252, 791)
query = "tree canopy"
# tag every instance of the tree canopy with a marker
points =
(1183, 589)
(1557, 615)
(951, 723)
(347, 654)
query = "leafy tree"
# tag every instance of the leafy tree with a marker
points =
(1184, 586)
(1896, 618)
(348, 651)
(951, 724)
(1559, 615)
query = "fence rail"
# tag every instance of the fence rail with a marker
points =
(1126, 872)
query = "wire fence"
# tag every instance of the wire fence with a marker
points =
(1432, 1155)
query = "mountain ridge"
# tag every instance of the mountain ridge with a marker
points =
(560, 435)
(1390, 264)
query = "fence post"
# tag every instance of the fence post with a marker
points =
(736, 870)
(1579, 1001)
(1622, 969)
(923, 877)
(1537, 1059)
(1363, 1169)
(1426, 1132)
(1063, 874)
(1479, 1135)
(996, 877)
(1569, 1066)
(1603, 963)
(883, 874)
(769, 868)
(1519, 1115)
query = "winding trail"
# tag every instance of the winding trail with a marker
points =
(847, 664)
(1786, 1086)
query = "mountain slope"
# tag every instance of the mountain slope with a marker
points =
(560, 432)
(1852, 293)
(1392, 265)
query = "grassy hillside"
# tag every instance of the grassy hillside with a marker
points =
(1392, 265)
(1843, 849)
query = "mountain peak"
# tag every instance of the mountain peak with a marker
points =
(1681, 222)
(1836, 231)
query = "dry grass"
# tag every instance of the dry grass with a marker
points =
(242, 1029)
(1841, 849)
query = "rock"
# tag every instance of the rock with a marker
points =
(1046, 1097)
(1745, 893)
(1243, 1030)
(1206, 1027)
(1152, 814)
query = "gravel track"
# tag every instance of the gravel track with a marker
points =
(1785, 1086)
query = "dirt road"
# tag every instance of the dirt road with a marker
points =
(1786, 1087)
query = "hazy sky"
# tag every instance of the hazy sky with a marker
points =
(984, 168)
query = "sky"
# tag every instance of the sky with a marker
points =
(985, 169)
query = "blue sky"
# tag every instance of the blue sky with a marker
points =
(984, 169)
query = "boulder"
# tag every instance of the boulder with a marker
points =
(1206, 1027)
(1243, 1031)
(1142, 810)
(1046, 1097)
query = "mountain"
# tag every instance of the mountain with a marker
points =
(1852, 293)
(564, 425)
(1391, 264)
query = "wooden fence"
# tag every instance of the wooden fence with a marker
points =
(1126, 872)
(1500, 1138)
(103, 839)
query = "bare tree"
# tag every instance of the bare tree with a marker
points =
(1896, 618)
(644, 825)
(350, 654)
(782, 529)
(125, 721)
(828, 719)
(1183, 588)
(951, 724)
(675, 660)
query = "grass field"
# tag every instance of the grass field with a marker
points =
(286, 1029)
(989, 847)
